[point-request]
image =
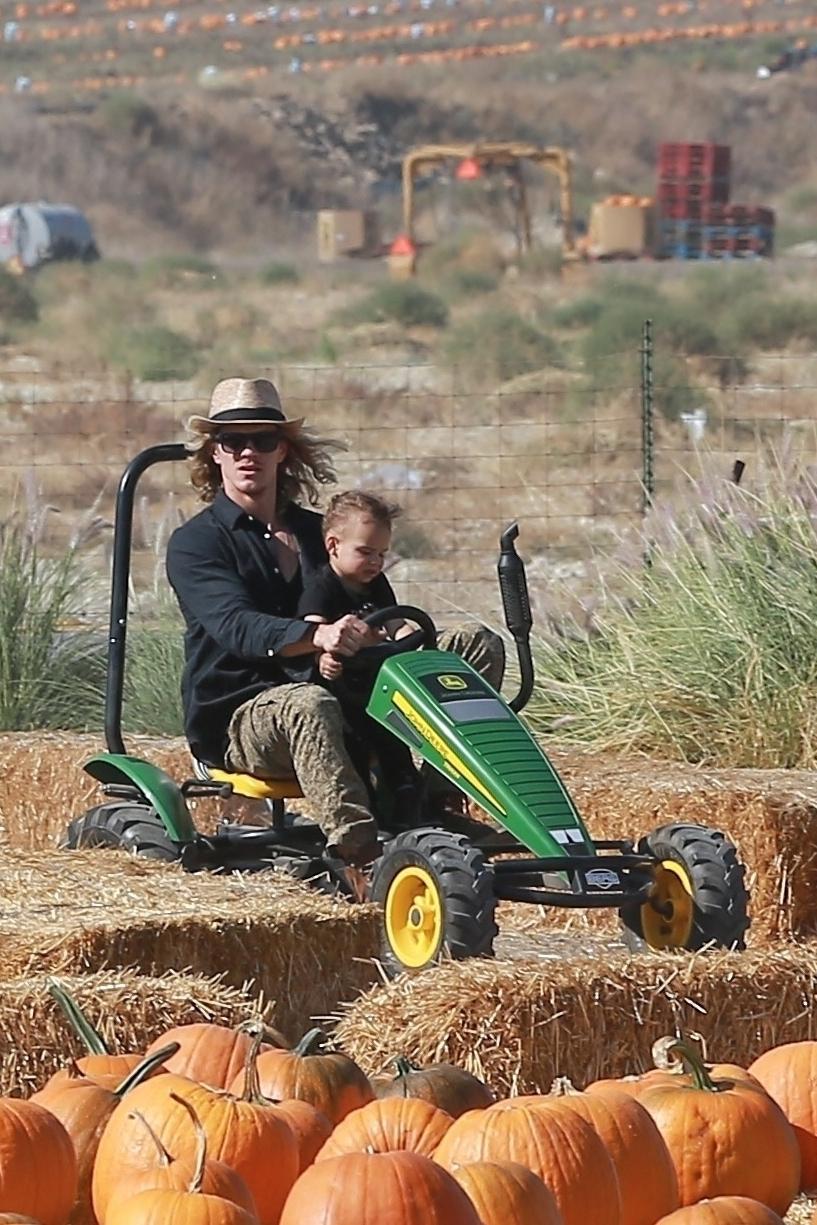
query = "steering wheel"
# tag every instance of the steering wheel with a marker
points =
(425, 636)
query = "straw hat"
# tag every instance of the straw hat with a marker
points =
(244, 402)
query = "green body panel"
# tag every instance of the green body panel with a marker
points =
(156, 786)
(443, 709)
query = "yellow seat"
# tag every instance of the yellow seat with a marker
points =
(258, 788)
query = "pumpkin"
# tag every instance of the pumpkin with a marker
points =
(214, 1054)
(330, 1081)
(38, 1167)
(646, 1174)
(552, 1141)
(505, 1193)
(99, 1064)
(309, 1126)
(179, 1208)
(378, 1189)
(83, 1107)
(199, 1173)
(393, 1125)
(789, 1074)
(450, 1088)
(667, 1068)
(724, 1210)
(725, 1137)
(7, 1218)
(246, 1133)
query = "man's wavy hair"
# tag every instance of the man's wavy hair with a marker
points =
(308, 465)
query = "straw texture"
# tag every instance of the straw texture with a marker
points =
(520, 1024)
(128, 1009)
(70, 911)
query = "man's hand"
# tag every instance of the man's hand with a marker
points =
(344, 637)
(331, 669)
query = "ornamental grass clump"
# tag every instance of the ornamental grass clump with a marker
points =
(702, 642)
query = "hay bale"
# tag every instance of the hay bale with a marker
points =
(70, 911)
(128, 1009)
(518, 1025)
(771, 815)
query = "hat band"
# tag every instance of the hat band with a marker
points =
(247, 414)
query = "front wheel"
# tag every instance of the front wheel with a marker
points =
(437, 895)
(699, 895)
(131, 827)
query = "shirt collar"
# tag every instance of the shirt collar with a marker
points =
(232, 516)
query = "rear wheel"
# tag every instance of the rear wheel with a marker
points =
(437, 895)
(699, 896)
(131, 827)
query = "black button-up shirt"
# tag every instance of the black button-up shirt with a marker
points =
(239, 611)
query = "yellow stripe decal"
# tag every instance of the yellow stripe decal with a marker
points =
(451, 759)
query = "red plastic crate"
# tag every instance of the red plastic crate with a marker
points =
(704, 191)
(714, 213)
(694, 161)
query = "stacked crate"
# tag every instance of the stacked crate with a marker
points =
(696, 218)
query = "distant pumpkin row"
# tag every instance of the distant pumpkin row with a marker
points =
(219, 1126)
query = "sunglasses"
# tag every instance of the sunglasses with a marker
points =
(265, 441)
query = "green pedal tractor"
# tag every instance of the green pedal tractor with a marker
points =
(679, 887)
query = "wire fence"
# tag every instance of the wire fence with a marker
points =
(575, 456)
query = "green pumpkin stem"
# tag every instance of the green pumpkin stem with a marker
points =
(312, 1043)
(693, 1065)
(201, 1145)
(82, 1027)
(143, 1070)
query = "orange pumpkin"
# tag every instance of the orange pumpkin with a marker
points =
(248, 1135)
(724, 1210)
(14, 1218)
(725, 1137)
(179, 1208)
(83, 1107)
(505, 1193)
(309, 1126)
(378, 1189)
(789, 1074)
(646, 1174)
(330, 1081)
(213, 1054)
(552, 1141)
(397, 1124)
(38, 1167)
(450, 1088)
(668, 1067)
(199, 1173)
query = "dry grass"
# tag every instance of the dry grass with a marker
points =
(83, 911)
(520, 1024)
(129, 1009)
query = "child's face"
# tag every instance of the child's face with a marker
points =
(357, 548)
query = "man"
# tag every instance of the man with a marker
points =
(238, 569)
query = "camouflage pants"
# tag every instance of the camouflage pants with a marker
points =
(298, 729)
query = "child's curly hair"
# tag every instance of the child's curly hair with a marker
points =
(356, 502)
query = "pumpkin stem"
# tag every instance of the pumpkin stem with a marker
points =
(693, 1065)
(403, 1066)
(164, 1156)
(563, 1087)
(143, 1070)
(665, 1055)
(252, 1081)
(311, 1043)
(201, 1144)
(273, 1037)
(82, 1027)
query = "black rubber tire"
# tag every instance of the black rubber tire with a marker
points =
(720, 916)
(466, 886)
(131, 827)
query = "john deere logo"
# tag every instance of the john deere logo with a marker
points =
(452, 682)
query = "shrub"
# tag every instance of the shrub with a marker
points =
(465, 282)
(175, 271)
(499, 344)
(126, 112)
(400, 302)
(770, 324)
(278, 273)
(17, 302)
(154, 353)
(152, 698)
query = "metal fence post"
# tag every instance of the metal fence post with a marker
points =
(647, 413)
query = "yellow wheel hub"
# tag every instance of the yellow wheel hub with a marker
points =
(414, 917)
(666, 920)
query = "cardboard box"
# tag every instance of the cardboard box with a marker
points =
(347, 232)
(622, 229)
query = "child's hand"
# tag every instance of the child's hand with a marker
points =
(331, 669)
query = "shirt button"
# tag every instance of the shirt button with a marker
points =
(266, 535)
(270, 652)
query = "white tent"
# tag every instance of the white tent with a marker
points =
(33, 233)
